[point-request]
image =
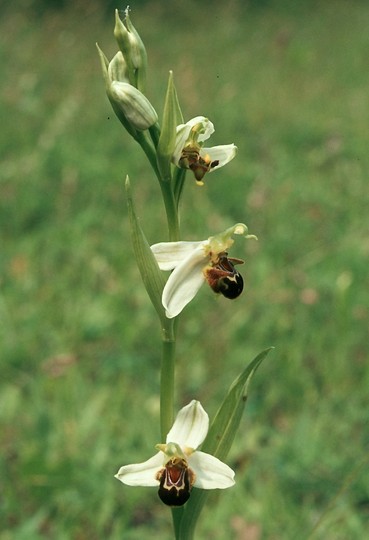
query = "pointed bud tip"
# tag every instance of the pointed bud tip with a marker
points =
(127, 184)
(120, 31)
(117, 18)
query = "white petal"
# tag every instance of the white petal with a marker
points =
(170, 254)
(190, 426)
(184, 282)
(223, 153)
(211, 473)
(142, 474)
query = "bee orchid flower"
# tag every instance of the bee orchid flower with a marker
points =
(179, 465)
(189, 152)
(193, 263)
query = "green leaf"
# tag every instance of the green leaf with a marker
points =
(227, 420)
(151, 274)
(172, 116)
(220, 438)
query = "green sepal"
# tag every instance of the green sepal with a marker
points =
(151, 274)
(172, 116)
(220, 438)
(104, 65)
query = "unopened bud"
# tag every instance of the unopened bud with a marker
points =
(133, 49)
(134, 105)
(118, 70)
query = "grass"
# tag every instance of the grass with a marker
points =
(79, 348)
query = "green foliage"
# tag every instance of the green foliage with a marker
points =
(285, 81)
(220, 438)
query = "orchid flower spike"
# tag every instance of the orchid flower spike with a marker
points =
(189, 152)
(179, 466)
(193, 263)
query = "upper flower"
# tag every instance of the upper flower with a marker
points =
(178, 466)
(195, 262)
(189, 152)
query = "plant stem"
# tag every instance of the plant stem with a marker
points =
(149, 150)
(171, 211)
(177, 514)
(167, 385)
(167, 376)
(167, 380)
(165, 186)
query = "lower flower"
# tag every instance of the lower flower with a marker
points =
(179, 466)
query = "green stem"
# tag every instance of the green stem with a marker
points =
(177, 514)
(149, 150)
(178, 183)
(167, 376)
(167, 385)
(155, 134)
(167, 380)
(165, 186)
(171, 211)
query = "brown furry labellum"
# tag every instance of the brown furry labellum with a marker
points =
(223, 278)
(176, 481)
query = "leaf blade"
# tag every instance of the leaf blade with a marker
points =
(219, 446)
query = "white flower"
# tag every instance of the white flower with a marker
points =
(189, 152)
(178, 466)
(193, 263)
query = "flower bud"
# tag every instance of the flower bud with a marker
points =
(138, 51)
(118, 70)
(132, 48)
(134, 105)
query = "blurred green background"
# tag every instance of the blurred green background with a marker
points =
(288, 82)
